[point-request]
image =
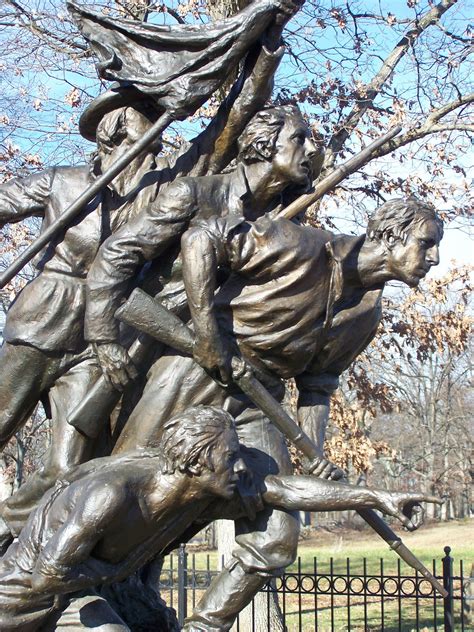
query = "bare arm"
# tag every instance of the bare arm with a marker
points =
(217, 144)
(308, 493)
(313, 416)
(248, 95)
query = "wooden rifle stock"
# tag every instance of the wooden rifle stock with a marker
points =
(150, 316)
(95, 409)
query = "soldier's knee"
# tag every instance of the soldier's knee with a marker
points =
(282, 555)
(271, 556)
(55, 472)
(46, 476)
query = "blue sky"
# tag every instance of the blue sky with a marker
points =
(54, 86)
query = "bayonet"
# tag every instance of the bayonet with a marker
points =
(151, 317)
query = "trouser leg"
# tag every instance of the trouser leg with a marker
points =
(68, 446)
(264, 546)
(24, 375)
(87, 612)
(228, 594)
(174, 384)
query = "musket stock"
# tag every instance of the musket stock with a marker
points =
(95, 409)
(150, 316)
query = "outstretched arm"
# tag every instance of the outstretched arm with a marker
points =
(217, 143)
(308, 493)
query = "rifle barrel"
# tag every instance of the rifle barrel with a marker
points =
(336, 176)
(73, 210)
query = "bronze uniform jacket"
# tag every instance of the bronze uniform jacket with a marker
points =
(48, 313)
(285, 303)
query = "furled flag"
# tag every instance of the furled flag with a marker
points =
(178, 66)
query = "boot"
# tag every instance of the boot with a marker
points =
(227, 595)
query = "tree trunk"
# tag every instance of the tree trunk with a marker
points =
(264, 612)
(225, 536)
(19, 461)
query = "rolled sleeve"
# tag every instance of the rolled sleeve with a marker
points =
(25, 197)
(142, 239)
(324, 383)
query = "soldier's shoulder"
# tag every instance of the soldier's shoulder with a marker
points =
(68, 169)
(315, 233)
(179, 193)
(107, 489)
(67, 174)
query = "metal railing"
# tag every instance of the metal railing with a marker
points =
(334, 597)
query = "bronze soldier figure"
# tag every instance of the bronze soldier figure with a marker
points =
(113, 514)
(44, 354)
(256, 185)
(300, 302)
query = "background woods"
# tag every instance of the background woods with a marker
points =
(356, 68)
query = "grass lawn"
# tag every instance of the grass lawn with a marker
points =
(321, 612)
(427, 543)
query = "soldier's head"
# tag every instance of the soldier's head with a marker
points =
(202, 443)
(119, 129)
(409, 231)
(279, 135)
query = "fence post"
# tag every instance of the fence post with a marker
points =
(448, 585)
(182, 585)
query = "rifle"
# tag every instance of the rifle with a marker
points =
(91, 414)
(88, 417)
(75, 208)
(149, 316)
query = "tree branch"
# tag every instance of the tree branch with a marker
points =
(372, 90)
(431, 125)
(46, 36)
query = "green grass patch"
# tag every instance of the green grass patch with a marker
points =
(321, 612)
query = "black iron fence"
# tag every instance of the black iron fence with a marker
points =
(338, 596)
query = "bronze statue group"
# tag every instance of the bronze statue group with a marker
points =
(171, 441)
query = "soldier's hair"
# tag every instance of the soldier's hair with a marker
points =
(189, 438)
(397, 217)
(264, 128)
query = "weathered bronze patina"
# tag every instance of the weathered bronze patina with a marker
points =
(266, 298)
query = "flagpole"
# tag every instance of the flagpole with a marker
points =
(73, 210)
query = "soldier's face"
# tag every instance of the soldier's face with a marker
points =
(293, 152)
(411, 261)
(227, 465)
(137, 125)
